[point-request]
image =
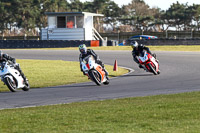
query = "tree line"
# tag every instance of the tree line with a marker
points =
(26, 16)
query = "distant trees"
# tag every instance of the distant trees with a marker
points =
(24, 16)
(139, 15)
(179, 16)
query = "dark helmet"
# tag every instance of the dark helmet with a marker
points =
(83, 49)
(1, 55)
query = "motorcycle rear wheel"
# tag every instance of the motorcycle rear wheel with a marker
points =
(27, 86)
(12, 86)
(107, 81)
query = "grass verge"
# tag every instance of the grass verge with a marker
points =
(163, 113)
(153, 48)
(45, 73)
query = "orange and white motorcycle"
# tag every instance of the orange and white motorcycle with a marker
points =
(94, 71)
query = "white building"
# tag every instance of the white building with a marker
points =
(70, 26)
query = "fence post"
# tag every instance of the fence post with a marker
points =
(25, 36)
(192, 33)
(118, 36)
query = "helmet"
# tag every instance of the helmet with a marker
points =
(134, 44)
(83, 49)
(1, 55)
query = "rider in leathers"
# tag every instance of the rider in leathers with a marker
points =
(13, 60)
(137, 50)
(84, 52)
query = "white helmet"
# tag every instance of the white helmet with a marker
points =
(83, 49)
(134, 44)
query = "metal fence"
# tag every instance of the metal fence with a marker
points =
(120, 36)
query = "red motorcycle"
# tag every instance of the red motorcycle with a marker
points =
(149, 63)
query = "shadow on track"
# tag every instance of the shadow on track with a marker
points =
(81, 85)
(135, 75)
(6, 92)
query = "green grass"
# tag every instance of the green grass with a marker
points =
(45, 73)
(163, 113)
(177, 113)
(176, 48)
(152, 48)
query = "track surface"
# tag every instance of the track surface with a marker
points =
(179, 73)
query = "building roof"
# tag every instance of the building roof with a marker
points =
(72, 14)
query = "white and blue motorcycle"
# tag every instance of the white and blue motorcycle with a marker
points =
(12, 77)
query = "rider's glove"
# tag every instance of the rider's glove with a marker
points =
(140, 66)
(97, 61)
(133, 53)
(14, 61)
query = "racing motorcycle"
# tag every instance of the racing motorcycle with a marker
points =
(149, 63)
(94, 71)
(12, 77)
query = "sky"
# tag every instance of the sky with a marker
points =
(163, 4)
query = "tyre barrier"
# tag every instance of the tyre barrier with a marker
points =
(14, 44)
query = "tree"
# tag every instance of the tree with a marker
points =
(50, 6)
(179, 16)
(196, 15)
(99, 5)
(6, 20)
(76, 6)
(138, 14)
(25, 14)
(111, 12)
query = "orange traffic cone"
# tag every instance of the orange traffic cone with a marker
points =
(115, 66)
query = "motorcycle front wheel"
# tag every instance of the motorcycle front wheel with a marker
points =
(152, 69)
(12, 86)
(95, 76)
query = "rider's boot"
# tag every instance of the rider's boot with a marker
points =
(106, 72)
(25, 79)
(140, 66)
(103, 67)
(154, 55)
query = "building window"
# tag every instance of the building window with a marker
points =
(79, 21)
(70, 22)
(61, 21)
(52, 22)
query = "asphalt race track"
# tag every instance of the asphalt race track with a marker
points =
(179, 73)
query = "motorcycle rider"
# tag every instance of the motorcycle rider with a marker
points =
(137, 50)
(13, 60)
(85, 52)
